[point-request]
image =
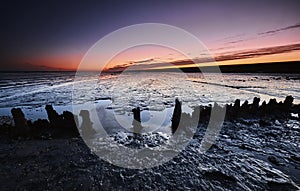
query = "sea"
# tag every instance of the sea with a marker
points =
(151, 91)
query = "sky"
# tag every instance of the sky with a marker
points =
(51, 35)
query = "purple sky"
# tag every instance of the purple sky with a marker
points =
(57, 34)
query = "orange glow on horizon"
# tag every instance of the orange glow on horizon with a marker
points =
(61, 62)
(142, 56)
(285, 57)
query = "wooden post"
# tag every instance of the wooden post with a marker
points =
(137, 127)
(176, 116)
(20, 121)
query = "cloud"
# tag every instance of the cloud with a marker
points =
(134, 65)
(241, 40)
(271, 32)
(224, 57)
(143, 61)
(231, 37)
(119, 67)
(259, 52)
(221, 49)
(233, 40)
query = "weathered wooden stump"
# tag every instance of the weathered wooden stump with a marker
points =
(21, 126)
(87, 129)
(56, 121)
(176, 116)
(255, 103)
(136, 123)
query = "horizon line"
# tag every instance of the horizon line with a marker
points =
(148, 70)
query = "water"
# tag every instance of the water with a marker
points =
(151, 91)
(238, 160)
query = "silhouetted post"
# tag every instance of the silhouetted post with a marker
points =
(288, 102)
(87, 125)
(137, 114)
(196, 116)
(236, 108)
(136, 120)
(245, 106)
(255, 104)
(69, 123)
(52, 115)
(20, 121)
(237, 105)
(54, 118)
(272, 103)
(263, 108)
(176, 116)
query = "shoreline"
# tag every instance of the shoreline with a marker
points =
(257, 148)
(58, 120)
(39, 112)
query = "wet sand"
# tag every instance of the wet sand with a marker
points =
(248, 155)
(255, 150)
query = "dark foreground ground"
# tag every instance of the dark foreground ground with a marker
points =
(258, 148)
(248, 155)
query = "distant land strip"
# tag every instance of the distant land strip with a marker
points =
(272, 67)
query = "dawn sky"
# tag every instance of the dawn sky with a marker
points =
(38, 35)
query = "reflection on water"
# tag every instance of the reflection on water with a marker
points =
(149, 91)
